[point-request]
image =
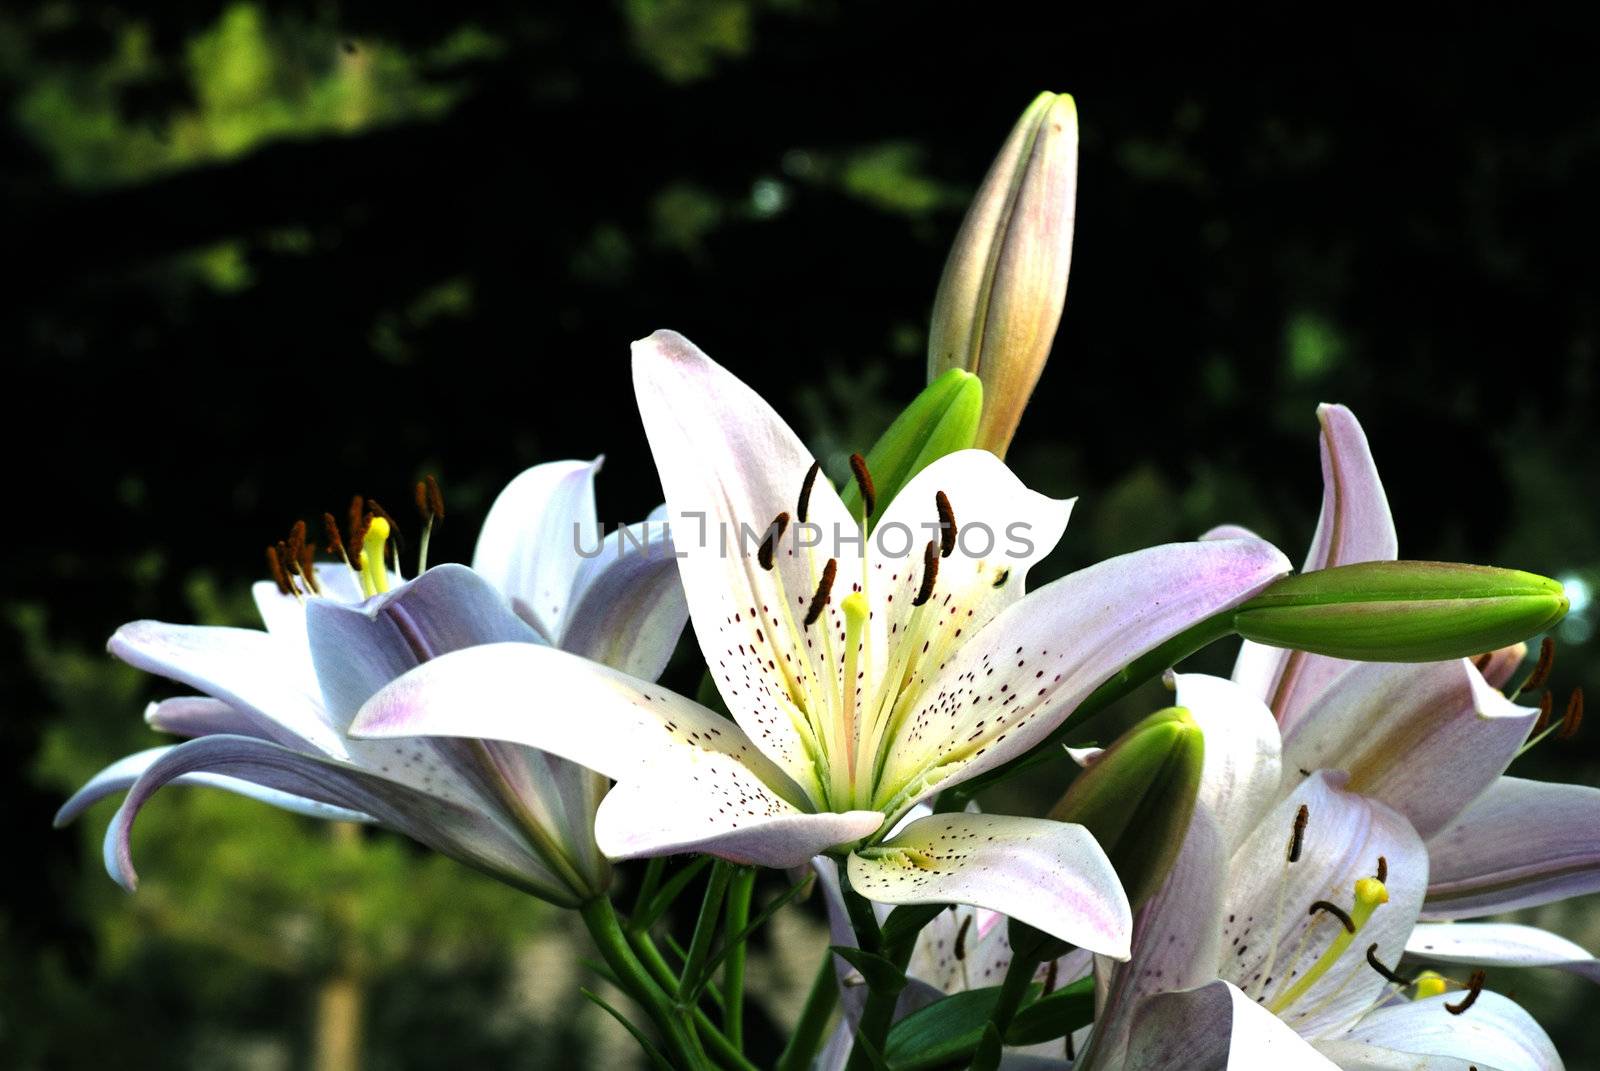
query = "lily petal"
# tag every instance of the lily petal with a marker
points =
(122, 774)
(1243, 766)
(1215, 1028)
(718, 806)
(529, 545)
(1355, 526)
(1425, 739)
(1051, 875)
(255, 673)
(630, 608)
(437, 823)
(1025, 672)
(198, 715)
(730, 465)
(1495, 1035)
(285, 615)
(1504, 944)
(1520, 844)
(1269, 936)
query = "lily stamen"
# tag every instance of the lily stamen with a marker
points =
(824, 589)
(1369, 893)
(1474, 987)
(430, 504)
(1378, 965)
(1573, 716)
(930, 573)
(803, 506)
(774, 533)
(1541, 669)
(1297, 841)
(335, 544)
(1336, 911)
(275, 570)
(947, 524)
(869, 494)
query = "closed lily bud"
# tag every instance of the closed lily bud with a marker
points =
(1003, 287)
(1138, 796)
(939, 421)
(1402, 611)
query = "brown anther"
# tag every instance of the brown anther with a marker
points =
(947, 524)
(824, 587)
(930, 573)
(1000, 580)
(1541, 669)
(435, 498)
(356, 526)
(1378, 965)
(297, 541)
(335, 545)
(1546, 704)
(961, 938)
(275, 569)
(804, 505)
(308, 567)
(1474, 987)
(1336, 911)
(1481, 662)
(1297, 841)
(420, 495)
(1050, 977)
(1573, 716)
(1383, 869)
(774, 533)
(869, 495)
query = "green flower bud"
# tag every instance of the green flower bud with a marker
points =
(1001, 294)
(939, 421)
(1402, 611)
(1137, 798)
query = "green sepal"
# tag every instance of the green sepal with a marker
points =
(1402, 611)
(939, 421)
(1137, 798)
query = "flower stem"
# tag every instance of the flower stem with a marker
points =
(1019, 976)
(705, 927)
(721, 1049)
(612, 944)
(878, 1015)
(740, 890)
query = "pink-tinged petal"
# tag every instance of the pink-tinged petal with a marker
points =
(1229, 531)
(1498, 666)
(1029, 668)
(1050, 875)
(122, 774)
(1493, 1035)
(258, 674)
(463, 834)
(1215, 1028)
(529, 546)
(1426, 739)
(196, 715)
(1520, 844)
(1355, 526)
(1001, 530)
(614, 724)
(1500, 944)
(1269, 934)
(715, 805)
(730, 465)
(630, 608)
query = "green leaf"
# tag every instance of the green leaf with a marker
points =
(1067, 1009)
(907, 920)
(987, 1058)
(945, 1032)
(881, 973)
(657, 1060)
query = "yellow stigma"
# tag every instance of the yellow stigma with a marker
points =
(374, 575)
(855, 611)
(843, 772)
(1370, 892)
(1430, 984)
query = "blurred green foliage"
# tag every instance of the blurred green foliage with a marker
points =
(269, 255)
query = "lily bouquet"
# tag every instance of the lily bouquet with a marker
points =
(1256, 872)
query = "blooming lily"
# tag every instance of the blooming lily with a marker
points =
(1278, 932)
(1430, 740)
(860, 681)
(270, 722)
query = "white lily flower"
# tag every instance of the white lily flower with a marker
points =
(1430, 740)
(859, 682)
(271, 721)
(1275, 938)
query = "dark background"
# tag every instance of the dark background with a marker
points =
(265, 258)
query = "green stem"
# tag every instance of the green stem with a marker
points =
(740, 891)
(1019, 976)
(647, 885)
(646, 915)
(807, 1037)
(878, 1014)
(720, 1047)
(612, 944)
(705, 927)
